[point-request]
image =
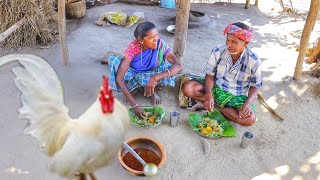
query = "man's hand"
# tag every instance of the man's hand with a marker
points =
(139, 112)
(245, 111)
(150, 86)
(208, 102)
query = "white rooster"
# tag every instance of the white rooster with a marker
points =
(77, 146)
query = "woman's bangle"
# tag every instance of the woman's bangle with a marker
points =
(135, 106)
(169, 74)
(154, 78)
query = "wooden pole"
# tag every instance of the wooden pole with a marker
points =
(181, 31)
(256, 2)
(304, 40)
(247, 4)
(62, 30)
(11, 29)
(281, 4)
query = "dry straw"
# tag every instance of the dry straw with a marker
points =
(39, 27)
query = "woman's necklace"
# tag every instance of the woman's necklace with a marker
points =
(150, 57)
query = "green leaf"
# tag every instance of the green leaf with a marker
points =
(154, 110)
(228, 129)
(194, 120)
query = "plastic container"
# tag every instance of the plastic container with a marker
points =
(168, 3)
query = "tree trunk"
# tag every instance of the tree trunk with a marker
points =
(62, 29)
(304, 40)
(281, 4)
(181, 31)
(256, 2)
(247, 4)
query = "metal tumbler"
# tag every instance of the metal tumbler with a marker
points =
(174, 118)
(246, 139)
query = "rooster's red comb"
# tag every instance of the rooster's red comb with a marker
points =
(106, 98)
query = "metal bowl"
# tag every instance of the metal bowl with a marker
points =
(142, 141)
(171, 29)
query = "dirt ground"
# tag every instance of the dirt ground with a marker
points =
(280, 150)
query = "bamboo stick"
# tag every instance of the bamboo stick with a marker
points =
(11, 29)
(266, 105)
(62, 29)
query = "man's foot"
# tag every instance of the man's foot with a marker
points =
(198, 106)
(233, 115)
(155, 99)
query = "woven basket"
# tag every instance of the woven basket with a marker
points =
(76, 9)
(71, 1)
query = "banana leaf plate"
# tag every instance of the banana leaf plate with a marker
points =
(157, 110)
(228, 129)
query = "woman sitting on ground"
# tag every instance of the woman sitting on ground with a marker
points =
(147, 63)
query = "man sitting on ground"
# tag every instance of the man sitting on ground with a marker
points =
(233, 78)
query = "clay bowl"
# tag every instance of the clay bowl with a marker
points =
(142, 141)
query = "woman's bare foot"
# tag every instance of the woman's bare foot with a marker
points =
(125, 100)
(155, 99)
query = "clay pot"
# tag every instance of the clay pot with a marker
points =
(142, 141)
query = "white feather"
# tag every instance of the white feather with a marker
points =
(76, 145)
